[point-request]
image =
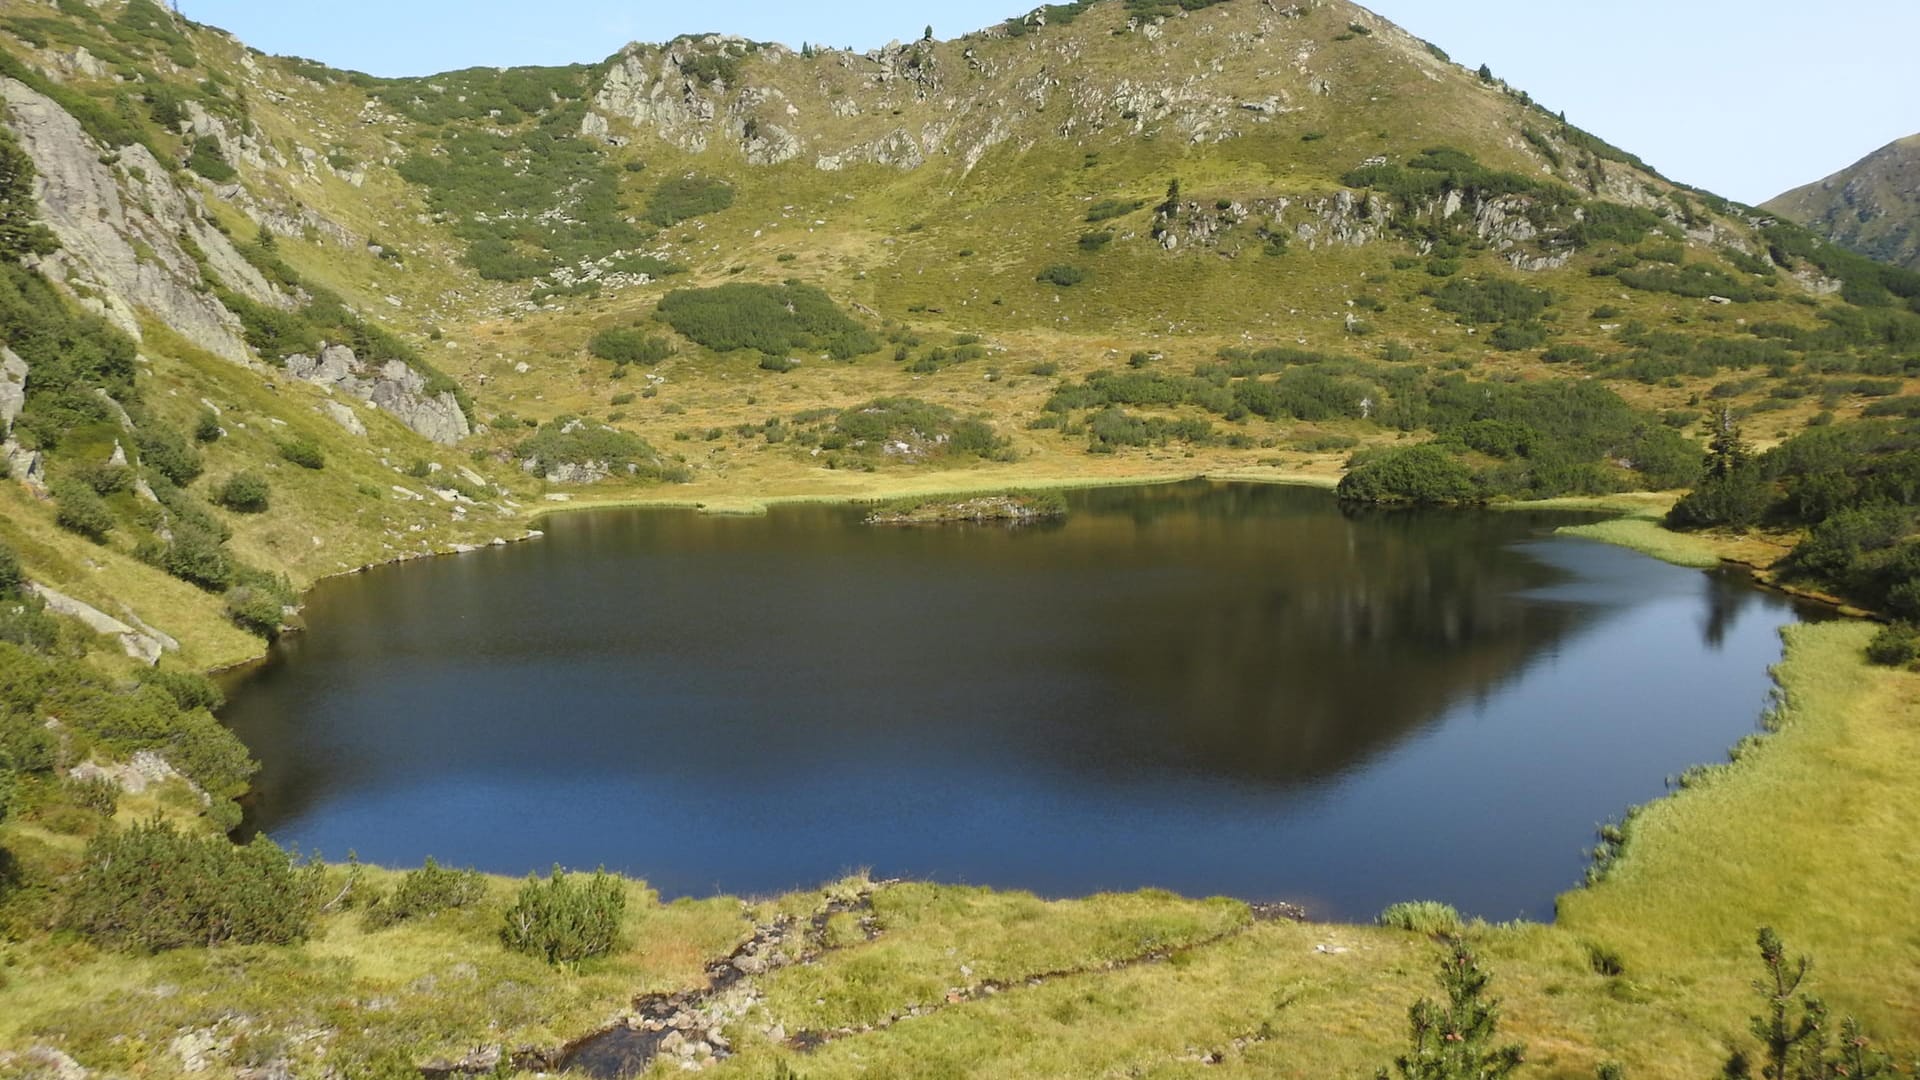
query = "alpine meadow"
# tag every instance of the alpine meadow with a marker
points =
(789, 562)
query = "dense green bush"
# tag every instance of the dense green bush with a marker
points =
(77, 508)
(304, 452)
(207, 160)
(626, 346)
(1491, 300)
(259, 606)
(11, 576)
(570, 440)
(193, 555)
(565, 921)
(1108, 209)
(1415, 474)
(151, 888)
(685, 197)
(427, 892)
(1694, 280)
(1312, 394)
(188, 690)
(24, 622)
(1896, 645)
(1112, 428)
(1516, 336)
(245, 493)
(1062, 275)
(1738, 499)
(1141, 388)
(1438, 171)
(167, 452)
(928, 431)
(772, 319)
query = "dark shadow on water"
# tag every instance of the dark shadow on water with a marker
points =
(1210, 688)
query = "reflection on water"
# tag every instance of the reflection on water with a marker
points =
(1209, 688)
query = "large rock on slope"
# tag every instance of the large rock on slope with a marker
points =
(123, 243)
(393, 388)
(13, 389)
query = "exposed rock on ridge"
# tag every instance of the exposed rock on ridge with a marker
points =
(393, 388)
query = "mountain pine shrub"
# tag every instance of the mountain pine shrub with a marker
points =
(564, 920)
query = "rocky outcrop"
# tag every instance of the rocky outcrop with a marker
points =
(144, 770)
(897, 149)
(142, 645)
(649, 90)
(343, 414)
(15, 460)
(42, 1062)
(393, 388)
(992, 509)
(13, 389)
(119, 217)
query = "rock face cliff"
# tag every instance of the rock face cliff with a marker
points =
(1872, 206)
(122, 223)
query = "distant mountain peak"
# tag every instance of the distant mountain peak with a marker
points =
(1872, 206)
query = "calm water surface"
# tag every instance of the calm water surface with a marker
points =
(1205, 688)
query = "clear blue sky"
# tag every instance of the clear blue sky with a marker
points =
(1744, 97)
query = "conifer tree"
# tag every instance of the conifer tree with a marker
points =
(1801, 1047)
(1727, 451)
(1455, 1040)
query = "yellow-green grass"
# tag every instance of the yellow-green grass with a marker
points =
(439, 986)
(1649, 537)
(938, 940)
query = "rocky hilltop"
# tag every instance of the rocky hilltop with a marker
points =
(1872, 207)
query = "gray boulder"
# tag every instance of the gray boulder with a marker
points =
(394, 388)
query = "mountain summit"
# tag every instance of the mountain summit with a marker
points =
(1872, 206)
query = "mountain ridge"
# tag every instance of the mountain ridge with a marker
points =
(1871, 206)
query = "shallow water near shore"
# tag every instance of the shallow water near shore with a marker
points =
(1208, 688)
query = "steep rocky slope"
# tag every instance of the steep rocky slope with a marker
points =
(1872, 207)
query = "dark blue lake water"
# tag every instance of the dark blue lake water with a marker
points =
(1214, 689)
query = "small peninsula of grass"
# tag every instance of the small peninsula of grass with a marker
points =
(1013, 509)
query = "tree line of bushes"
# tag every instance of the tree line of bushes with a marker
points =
(1516, 439)
(1854, 487)
(156, 887)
